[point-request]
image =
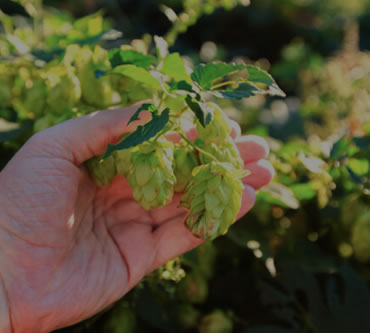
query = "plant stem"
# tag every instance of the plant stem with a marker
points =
(219, 85)
(198, 148)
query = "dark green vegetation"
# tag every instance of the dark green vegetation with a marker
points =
(299, 261)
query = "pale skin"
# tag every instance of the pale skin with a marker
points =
(69, 249)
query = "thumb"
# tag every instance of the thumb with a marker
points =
(81, 138)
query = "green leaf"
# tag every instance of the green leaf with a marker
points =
(204, 75)
(145, 107)
(119, 57)
(174, 67)
(180, 85)
(339, 148)
(137, 73)
(246, 84)
(359, 166)
(202, 111)
(142, 133)
(244, 90)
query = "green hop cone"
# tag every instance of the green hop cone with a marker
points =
(361, 238)
(224, 152)
(218, 130)
(213, 199)
(98, 92)
(184, 163)
(64, 89)
(216, 322)
(123, 161)
(102, 171)
(45, 122)
(151, 176)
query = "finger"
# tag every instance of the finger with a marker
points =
(173, 238)
(262, 173)
(135, 244)
(248, 201)
(163, 214)
(81, 138)
(252, 148)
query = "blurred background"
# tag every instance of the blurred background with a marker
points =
(299, 261)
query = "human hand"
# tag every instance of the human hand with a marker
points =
(70, 249)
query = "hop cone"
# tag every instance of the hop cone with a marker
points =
(214, 199)
(46, 121)
(218, 130)
(123, 161)
(63, 88)
(151, 175)
(102, 172)
(184, 163)
(95, 91)
(224, 152)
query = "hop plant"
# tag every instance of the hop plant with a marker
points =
(224, 152)
(218, 130)
(214, 199)
(151, 175)
(184, 163)
(102, 171)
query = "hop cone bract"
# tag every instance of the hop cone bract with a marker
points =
(214, 199)
(102, 171)
(151, 176)
(224, 152)
(218, 130)
(184, 163)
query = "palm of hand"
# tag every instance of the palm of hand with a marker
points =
(71, 249)
(84, 249)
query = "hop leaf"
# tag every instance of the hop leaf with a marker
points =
(151, 176)
(213, 198)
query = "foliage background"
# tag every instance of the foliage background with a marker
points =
(299, 261)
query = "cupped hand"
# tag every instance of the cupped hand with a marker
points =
(70, 249)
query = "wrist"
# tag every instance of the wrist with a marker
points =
(5, 321)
